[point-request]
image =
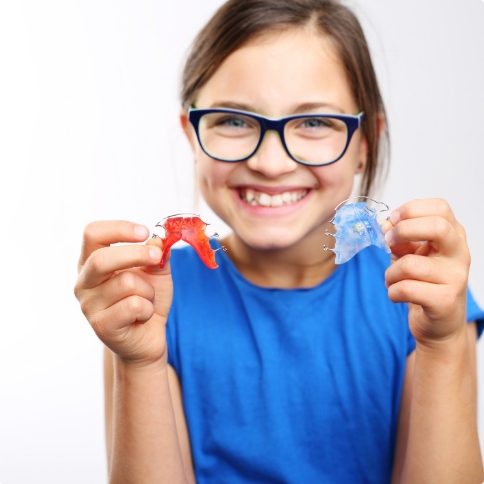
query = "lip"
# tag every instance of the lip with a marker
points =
(261, 211)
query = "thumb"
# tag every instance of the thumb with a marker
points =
(156, 269)
(161, 281)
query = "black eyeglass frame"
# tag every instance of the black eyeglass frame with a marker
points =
(353, 122)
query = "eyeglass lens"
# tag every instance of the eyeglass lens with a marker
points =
(312, 140)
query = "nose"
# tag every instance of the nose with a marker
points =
(271, 158)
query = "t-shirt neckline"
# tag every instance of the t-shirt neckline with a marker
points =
(226, 263)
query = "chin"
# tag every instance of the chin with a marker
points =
(266, 240)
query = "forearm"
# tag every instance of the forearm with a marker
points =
(145, 443)
(443, 444)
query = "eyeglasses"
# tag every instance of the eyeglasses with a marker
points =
(311, 139)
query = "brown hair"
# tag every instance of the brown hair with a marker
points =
(239, 21)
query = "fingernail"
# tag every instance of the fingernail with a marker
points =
(141, 231)
(395, 217)
(155, 253)
(389, 237)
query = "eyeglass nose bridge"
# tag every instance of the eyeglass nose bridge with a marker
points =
(276, 125)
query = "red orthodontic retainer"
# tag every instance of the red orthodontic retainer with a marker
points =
(191, 230)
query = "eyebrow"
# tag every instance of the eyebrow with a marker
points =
(300, 108)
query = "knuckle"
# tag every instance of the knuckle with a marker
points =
(89, 231)
(97, 260)
(463, 279)
(405, 290)
(443, 207)
(77, 290)
(461, 231)
(85, 304)
(141, 253)
(402, 231)
(389, 272)
(394, 293)
(97, 325)
(127, 282)
(449, 297)
(399, 230)
(461, 276)
(135, 305)
(441, 227)
(408, 265)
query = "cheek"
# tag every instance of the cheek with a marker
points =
(337, 174)
(211, 174)
(342, 172)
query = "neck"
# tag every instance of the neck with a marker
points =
(305, 264)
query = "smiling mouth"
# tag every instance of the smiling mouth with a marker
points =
(258, 198)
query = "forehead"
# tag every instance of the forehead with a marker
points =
(279, 71)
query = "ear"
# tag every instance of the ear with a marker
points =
(362, 156)
(363, 151)
(187, 127)
(381, 124)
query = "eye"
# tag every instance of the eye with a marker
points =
(232, 122)
(315, 123)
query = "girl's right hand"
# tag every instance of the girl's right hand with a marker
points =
(124, 294)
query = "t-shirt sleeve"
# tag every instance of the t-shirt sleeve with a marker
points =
(474, 313)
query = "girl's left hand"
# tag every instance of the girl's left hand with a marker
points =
(430, 267)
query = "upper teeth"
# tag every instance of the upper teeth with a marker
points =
(264, 199)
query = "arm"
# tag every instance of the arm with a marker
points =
(150, 420)
(126, 298)
(438, 440)
(441, 428)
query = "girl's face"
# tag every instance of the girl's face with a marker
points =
(279, 74)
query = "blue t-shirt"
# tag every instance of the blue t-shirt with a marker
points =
(290, 386)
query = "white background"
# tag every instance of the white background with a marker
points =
(89, 130)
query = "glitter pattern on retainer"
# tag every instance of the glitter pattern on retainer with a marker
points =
(356, 228)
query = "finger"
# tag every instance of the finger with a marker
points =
(386, 225)
(156, 269)
(437, 230)
(403, 249)
(400, 250)
(104, 262)
(437, 300)
(418, 268)
(424, 249)
(104, 233)
(424, 208)
(109, 322)
(118, 287)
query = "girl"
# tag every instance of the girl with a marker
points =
(280, 366)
